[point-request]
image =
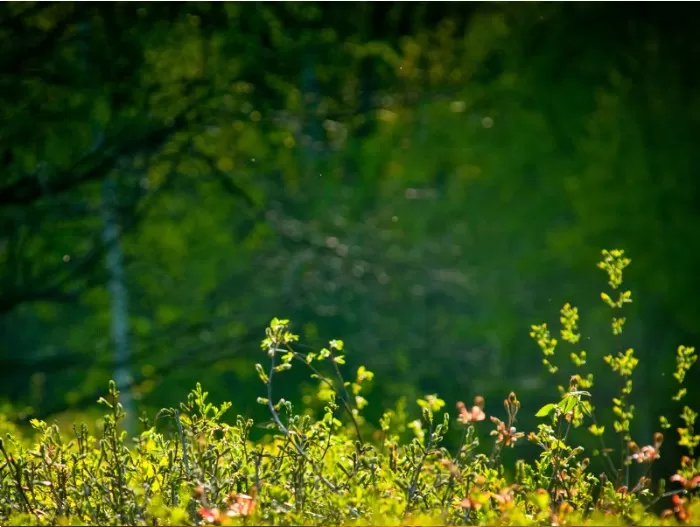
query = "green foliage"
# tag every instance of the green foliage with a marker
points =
(388, 182)
(201, 470)
(685, 359)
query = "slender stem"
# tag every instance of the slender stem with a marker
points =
(181, 433)
(18, 478)
(283, 429)
(419, 468)
(495, 452)
(665, 495)
(555, 464)
(604, 448)
(258, 461)
(451, 484)
(345, 403)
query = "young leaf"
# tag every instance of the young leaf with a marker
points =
(545, 410)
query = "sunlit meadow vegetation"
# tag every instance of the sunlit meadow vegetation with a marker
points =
(191, 464)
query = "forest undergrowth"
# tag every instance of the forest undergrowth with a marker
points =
(191, 465)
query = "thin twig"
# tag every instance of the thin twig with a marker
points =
(18, 478)
(284, 429)
(345, 403)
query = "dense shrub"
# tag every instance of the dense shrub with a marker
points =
(339, 469)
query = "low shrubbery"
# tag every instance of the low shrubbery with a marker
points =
(340, 470)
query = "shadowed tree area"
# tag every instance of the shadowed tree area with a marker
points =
(422, 180)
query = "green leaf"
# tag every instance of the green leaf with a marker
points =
(596, 430)
(567, 404)
(546, 410)
(261, 373)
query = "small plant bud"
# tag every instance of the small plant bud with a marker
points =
(574, 382)
(479, 401)
(658, 439)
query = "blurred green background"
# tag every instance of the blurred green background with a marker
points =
(421, 180)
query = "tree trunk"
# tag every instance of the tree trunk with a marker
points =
(114, 261)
